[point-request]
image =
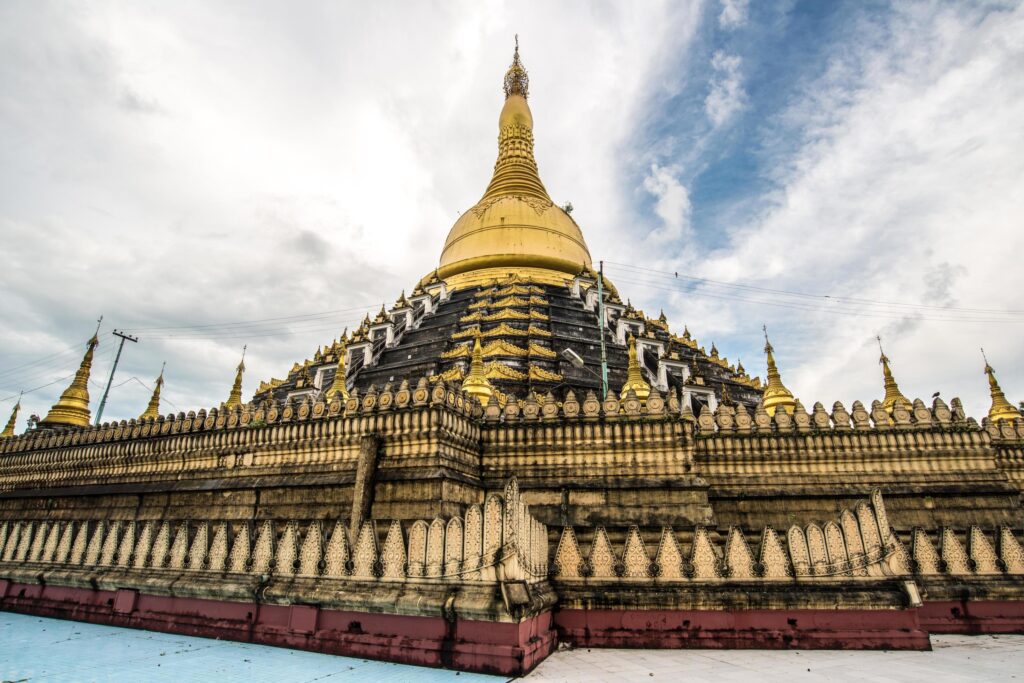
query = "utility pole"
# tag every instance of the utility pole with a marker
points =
(601, 322)
(117, 358)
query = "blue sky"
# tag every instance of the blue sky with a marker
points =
(179, 168)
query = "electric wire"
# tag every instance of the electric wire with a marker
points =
(832, 305)
(674, 275)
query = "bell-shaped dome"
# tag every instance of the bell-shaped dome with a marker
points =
(515, 227)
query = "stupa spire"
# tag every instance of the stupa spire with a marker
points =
(634, 375)
(153, 409)
(776, 395)
(1001, 409)
(476, 383)
(9, 429)
(235, 398)
(72, 409)
(893, 396)
(515, 171)
(514, 227)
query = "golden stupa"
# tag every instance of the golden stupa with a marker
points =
(73, 407)
(1001, 410)
(515, 227)
(776, 395)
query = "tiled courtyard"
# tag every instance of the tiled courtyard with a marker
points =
(35, 649)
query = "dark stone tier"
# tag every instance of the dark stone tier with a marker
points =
(525, 327)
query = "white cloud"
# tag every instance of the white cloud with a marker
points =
(726, 96)
(672, 204)
(734, 13)
(906, 188)
(172, 164)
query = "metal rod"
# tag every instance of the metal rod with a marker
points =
(117, 358)
(601, 323)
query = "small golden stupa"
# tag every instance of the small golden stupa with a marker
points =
(1001, 410)
(73, 407)
(634, 376)
(776, 395)
(893, 396)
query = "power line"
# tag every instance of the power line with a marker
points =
(862, 313)
(320, 314)
(671, 275)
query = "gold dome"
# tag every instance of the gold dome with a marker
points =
(515, 227)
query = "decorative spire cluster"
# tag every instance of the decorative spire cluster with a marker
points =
(776, 395)
(73, 407)
(893, 396)
(153, 409)
(634, 375)
(1001, 409)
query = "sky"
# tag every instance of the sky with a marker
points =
(213, 175)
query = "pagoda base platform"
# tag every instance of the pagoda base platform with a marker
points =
(770, 629)
(509, 649)
(973, 617)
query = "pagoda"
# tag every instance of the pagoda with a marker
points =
(508, 458)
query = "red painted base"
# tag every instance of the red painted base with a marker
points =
(748, 629)
(973, 616)
(468, 645)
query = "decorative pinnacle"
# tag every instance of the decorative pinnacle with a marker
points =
(235, 397)
(153, 409)
(776, 395)
(517, 82)
(634, 375)
(893, 396)
(1001, 409)
(73, 406)
(9, 429)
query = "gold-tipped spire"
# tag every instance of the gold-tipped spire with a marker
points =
(634, 375)
(517, 81)
(893, 396)
(153, 409)
(515, 227)
(476, 382)
(72, 409)
(1001, 410)
(776, 395)
(9, 429)
(235, 398)
(338, 386)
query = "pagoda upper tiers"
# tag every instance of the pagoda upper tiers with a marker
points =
(512, 309)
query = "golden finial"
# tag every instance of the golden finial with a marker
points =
(9, 429)
(153, 409)
(893, 396)
(338, 386)
(517, 82)
(72, 408)
(476, 382)
(634, 375)
(776, 395)
(1001, 409)
(235, 398)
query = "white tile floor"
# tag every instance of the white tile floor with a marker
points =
(953, 658)
(34, 649)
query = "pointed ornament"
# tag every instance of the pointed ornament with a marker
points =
(153, 409)
(634, 375)
(72, 409)
(776, 395)
(235, 398)
(1001, 410)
